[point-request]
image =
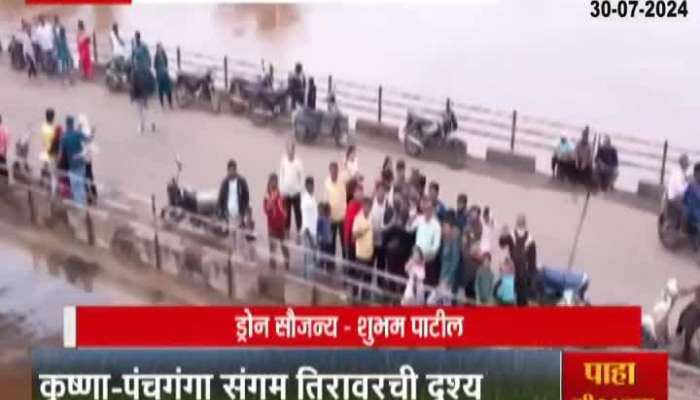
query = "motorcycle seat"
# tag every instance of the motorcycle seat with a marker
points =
(190, 80)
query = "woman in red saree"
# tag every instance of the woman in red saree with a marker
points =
(84, 51)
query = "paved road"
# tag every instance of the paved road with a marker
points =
(618, 246)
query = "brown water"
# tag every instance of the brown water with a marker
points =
(543, 57)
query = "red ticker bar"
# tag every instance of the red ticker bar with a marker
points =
(193, 326)
(77, 2)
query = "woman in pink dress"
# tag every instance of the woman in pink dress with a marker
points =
(84, 51)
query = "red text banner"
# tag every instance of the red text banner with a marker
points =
(353, 326)
(604, 376)
(77, 2)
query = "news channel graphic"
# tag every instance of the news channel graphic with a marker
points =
(346, 375)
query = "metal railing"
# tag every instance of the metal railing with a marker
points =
(359, 282)
(643, 158)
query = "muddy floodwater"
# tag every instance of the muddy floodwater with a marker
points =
(546, 58)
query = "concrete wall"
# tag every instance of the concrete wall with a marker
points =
(145, 245)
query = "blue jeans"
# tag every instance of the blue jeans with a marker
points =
(76, 176)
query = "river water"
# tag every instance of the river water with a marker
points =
(546, 58)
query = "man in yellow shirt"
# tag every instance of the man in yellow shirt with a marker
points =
(337, 199)
(362, 234)
(48, 131)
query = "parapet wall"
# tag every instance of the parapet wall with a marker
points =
(145, 244)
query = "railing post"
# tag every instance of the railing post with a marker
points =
(225, 72)
(513, 128)
(94, 46)
(379, 105)
(156, 241)
(330, 83)
(179, 59)
(663, 163)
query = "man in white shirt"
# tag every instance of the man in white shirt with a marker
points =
(309, 224)
(291, 178)
(45, 37)
(428, 236)
(676, 186)
(118, 44)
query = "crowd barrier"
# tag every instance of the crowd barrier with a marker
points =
(131, 227)
(512, 139)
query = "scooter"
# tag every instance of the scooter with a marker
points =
(118, 75)
(421, 133)
(655, 325)
(190, 88)
(199, 208)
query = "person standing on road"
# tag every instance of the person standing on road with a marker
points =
(118, 45)
(4, 141)
(291, 183)
(27, 40)
(143, 82)
(311, 95)
(297, 86)
(309, 226)
(84, 51)
(72, 151)
(45, 39)
(234, 197)
(276, 221)
(65, 59)
(362, 237)
(160, 64)
(337, 200)
(90, 149)
(584, 159)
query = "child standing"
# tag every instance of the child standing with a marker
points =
(324, 236)
(415, 269)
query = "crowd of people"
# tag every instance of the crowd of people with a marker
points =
(45, 48)
(577, 163)
(67, 151)
(396, 223)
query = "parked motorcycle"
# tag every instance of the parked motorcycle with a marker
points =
(199, 208)
(191, 88)
(118, 75)
(421, 133)
(655, 325)
(16, 51)
(266, 104)
(310, 124)
(672, 230)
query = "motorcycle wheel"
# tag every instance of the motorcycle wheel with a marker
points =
(112, 82)
(411, 148)
(183, 97)
(257, 114)
(457, 156)
(669, 235)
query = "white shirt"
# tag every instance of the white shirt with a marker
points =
(309, 214)
(291, 176)
(428, 233)
(376, 217)
(677, 184)
(118, 47)
(352, 167)
(233, 207)
(45, 37)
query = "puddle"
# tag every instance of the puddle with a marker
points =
(35, 287)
